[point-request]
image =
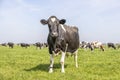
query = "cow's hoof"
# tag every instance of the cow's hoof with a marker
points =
(76, 66)
(50, 71)
(62, 71)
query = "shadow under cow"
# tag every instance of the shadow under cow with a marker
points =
(44, 67)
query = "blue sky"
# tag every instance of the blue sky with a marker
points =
(96, 19)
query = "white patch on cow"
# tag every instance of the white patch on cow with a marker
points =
(53, 19)
(63, 27)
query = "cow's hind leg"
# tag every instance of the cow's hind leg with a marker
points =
(75, 58)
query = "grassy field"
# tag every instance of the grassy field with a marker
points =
(31, 64)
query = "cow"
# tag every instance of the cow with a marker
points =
(38, 45)
(62, 38)
(86, 45)
(111, 45)
(97, 44)
(10, 44)
(4, 44)
(24, 45)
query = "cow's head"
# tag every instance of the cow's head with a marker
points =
(53, 24)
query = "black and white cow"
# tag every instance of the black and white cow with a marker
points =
(24, 45)
(61, 38)
(4, 44)
(38, 45)
(111, 45)
(10, 44)
(86, 45)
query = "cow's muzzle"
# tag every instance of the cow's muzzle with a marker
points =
(54, 34)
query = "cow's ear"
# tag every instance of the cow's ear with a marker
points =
(43, 21)
(62, 21)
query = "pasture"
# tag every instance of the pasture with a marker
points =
(32, 64)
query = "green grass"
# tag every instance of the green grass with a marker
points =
(31, 64)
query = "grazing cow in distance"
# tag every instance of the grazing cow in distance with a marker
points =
(4, 44)
(97, 44)
(24, 45)
(38, 45)
(112, 45)
(10, 44)
(86, 45)
(61, 38)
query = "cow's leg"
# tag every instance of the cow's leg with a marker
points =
(101, 47)
(75, 58)
(114, 47)
(62, 62)
(51, 63)
(51, 60)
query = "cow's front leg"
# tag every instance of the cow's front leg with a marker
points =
(62, 62)
(51, 63)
